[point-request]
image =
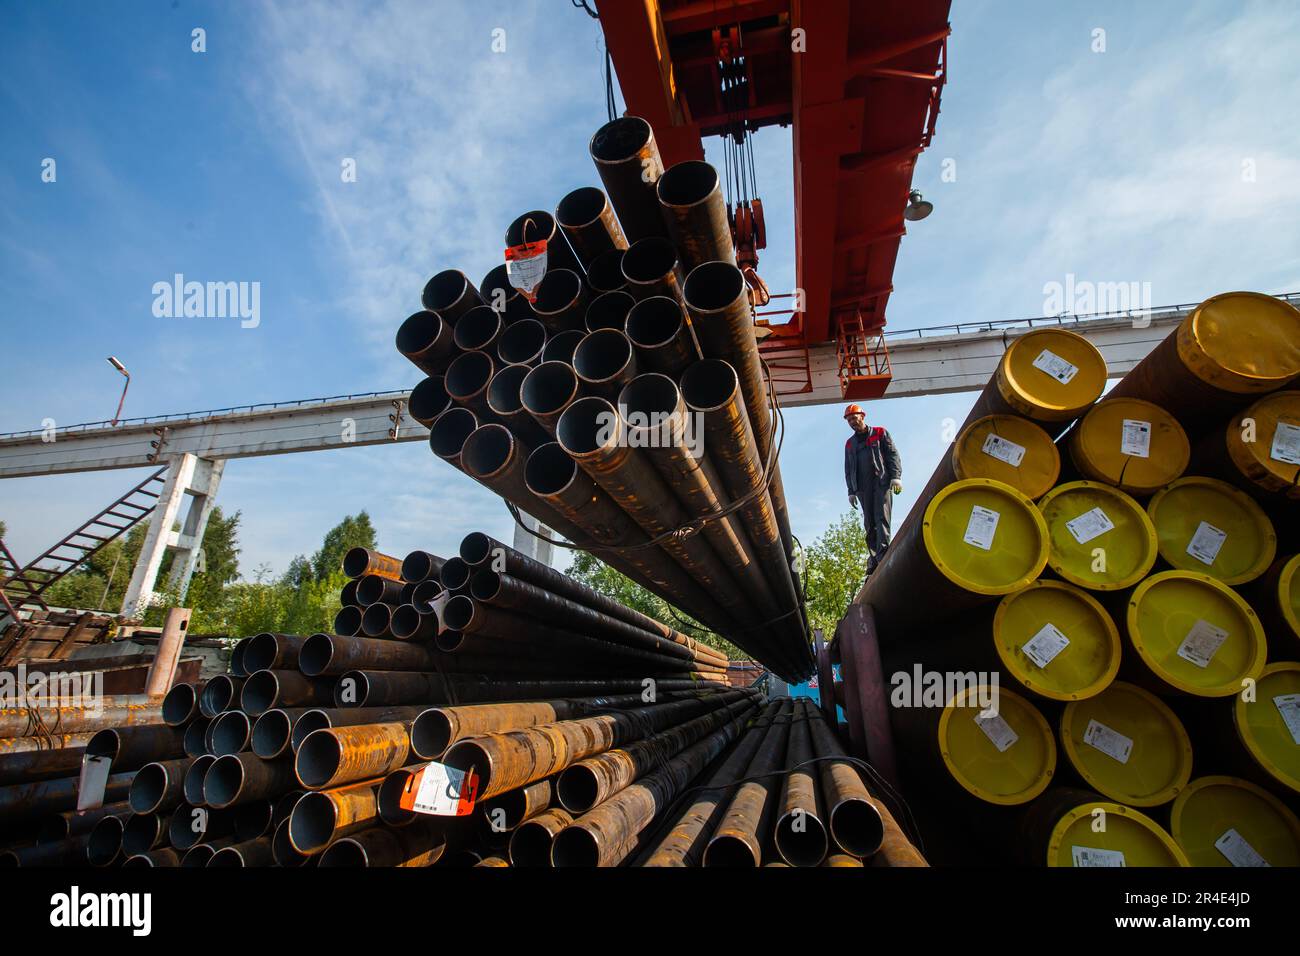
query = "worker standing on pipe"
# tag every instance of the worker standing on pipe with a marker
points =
(873, 472)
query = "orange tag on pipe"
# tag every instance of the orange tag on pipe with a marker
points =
(441, 791)
(526, 266)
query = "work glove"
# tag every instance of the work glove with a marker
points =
(897, 487)
(853, 500)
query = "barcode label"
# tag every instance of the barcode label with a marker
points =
(1089, 525)
(1092, 856)
(1043, 647)
(995, 446)
(1136, 440)
(1288, 705)
(1108, 740)
(1201, 643)
(1055, 366)
(981, 527)
(1238, 851)
(1286, 444)
(1206, 542)
(997, 730)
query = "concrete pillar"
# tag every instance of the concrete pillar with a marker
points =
(532, 546)
(188, 475)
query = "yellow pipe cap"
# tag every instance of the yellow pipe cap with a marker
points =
(985, 536)
(1243, 342)
(1195, 634)
(1009, 449)
(1057, 640)
(1207, 525)
(1130, 838)
(1269, 725)
(1227, 821)
(1128, 745)
(1264, 443)
(1101, 539)
(1130, 443)
(996, 745)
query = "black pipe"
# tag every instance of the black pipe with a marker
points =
(537, 225)
(589, 224)
(696, 213)
(561, 300)
(605, 362)
(627, 159)
(606, 272)
(652, 267)
(522, 342)
(449, 431)
(478, 329)
(426, 340)
(660, 330)
(451, 295)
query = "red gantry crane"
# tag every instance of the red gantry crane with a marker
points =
(860, 82)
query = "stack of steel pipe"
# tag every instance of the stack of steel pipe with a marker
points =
(1097, 604)
(622, 401)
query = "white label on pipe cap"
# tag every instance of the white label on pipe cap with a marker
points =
(1108, 740)
(997, 730)
(1003, 449)
(1092, 856)
(1136, 440)
(1089, 525)
(1043, 647)
(1055, 366)
(1239, 853)
(1207, 541)
(1286, 444)
(1289, 706)
(1201, 643)
(981, 527)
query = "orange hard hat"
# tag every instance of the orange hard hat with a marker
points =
(854, 409)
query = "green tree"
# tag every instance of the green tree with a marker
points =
(599, 576)
(834, 567)
(354, 531)
(3, 529)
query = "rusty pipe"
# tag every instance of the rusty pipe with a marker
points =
(467, 381)
(856, 821)
(159, 786)
(243, 777)
(380, 688)
(717, 299)
(561, 346)
(280, 651)
(420, 844)
(130, 748)
(323, 717)
(420, 566)
(408, 622)
(282, 688)
(34, 720)
(426, 341)
(449, 431)
(652, 267)
(24, 801)
(220, 694)
(504, 812)
(428, 399)
(609, 310)
(64, 825)
(605, 362)
(371, 589)
(282, 851)
(522, 342)
(606, 835)
(627, 159)
(333, 756)
(376, 620)
(450, 294)
(561, 301)
(744, 827)
(530, 843)
(232, 733)
(684, 843)
(588, 221)
(320, 817)
(661, 333)
(362, 561)
(507, 405)
(347, 622)
(325, 655)
(547, 391)
(800, 835)
(695, 213)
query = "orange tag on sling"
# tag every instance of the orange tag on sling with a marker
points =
(441, 791)
(525, 267)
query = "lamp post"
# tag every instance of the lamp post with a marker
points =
(112, 360)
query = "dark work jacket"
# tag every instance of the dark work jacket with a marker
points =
(871, 462)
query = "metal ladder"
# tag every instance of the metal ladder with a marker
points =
(26, 585)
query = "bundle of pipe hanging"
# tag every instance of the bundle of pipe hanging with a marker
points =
(622, 400)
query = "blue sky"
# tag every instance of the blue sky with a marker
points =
(1117, 166)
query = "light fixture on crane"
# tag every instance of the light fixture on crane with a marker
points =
(113, 361)
(917, 208)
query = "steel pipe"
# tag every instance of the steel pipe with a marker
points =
(192, 783)
(220, 694)
(232, 733)
(530, 843)
(420, 844)
(143, 832)
(280, 651)
(800, 835)
(739, 837)
(448, 433)
(326, 655)
(285, 688)
(479, 329)
(606, 272)
(660, 330)
(504, 812)
(522, 342)
(24, 801)
(589, 224)
(362, 561)
(179, 707)
(561, 301)
(426, 340)
(159, 786)
(248, 853)
(499, 295)
(467, 381)
(376, 620)
(408, 622)
(130, 748)
(428, 400)
(627, 159)
(451, 295)
(419, 566)
(547, 391)
(609, 310)
(506, 404)
(272, 733)
(334, 756)
(190, 826)
(695, 212)
(605, 362)
(347, 622)
(320, 817)
(652, 268)
(240, 778)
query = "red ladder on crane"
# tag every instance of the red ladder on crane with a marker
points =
(26, 585)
